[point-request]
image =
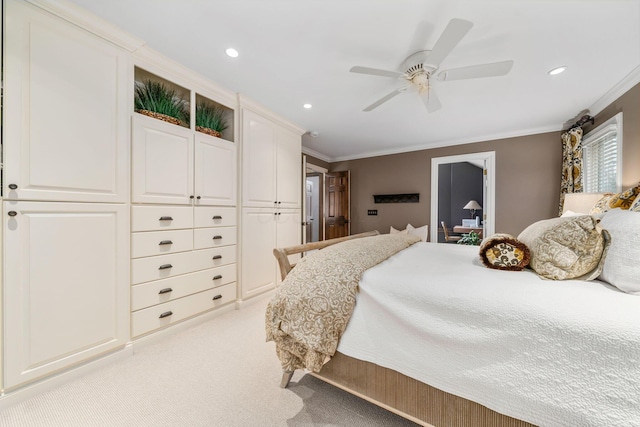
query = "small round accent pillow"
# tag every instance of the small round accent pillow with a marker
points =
(504, 252)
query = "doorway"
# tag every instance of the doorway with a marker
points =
(337, 221)
(439, 202)
(313, 204)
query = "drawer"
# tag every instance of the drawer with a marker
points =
(148, 218)
(212, 237)
(160, 291)
(165, 266)
(161, 315)
(213, 216)
(149, 243)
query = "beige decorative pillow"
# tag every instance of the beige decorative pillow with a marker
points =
(635, 206)
(504, 252)
(420, 232)
(625, 199)
(602, 205)
(394, 231)
(566, 248)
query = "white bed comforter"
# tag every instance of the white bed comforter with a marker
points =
(553, 353)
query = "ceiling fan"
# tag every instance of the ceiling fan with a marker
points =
(421, 67)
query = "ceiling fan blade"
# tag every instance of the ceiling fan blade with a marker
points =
(431, 100)
(375, 72)
(385, 99)
(475, 71)
(451, 36)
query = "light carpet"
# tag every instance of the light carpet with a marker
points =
(218, 373)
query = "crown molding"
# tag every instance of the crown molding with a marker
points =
(87, 21)
(449, 143)
(629, 81)
(244, 102)
(317, 155)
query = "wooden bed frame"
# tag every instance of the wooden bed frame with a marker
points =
(389, 389)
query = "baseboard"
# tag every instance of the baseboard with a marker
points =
(12, 397)
(240, 304)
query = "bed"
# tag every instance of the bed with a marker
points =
(439, 338)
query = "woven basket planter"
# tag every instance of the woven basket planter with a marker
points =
(162, 117)
(209, 131)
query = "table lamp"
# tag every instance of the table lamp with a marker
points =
(473, 206)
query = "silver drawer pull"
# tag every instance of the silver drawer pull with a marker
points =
(165, 291)
(216, 217)
(219, 276)
(166, 314)
(217, 257)
(166, 242)
(165, 266)
(217, 297)
(217, 237)
(166, 218)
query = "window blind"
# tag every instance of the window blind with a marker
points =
(600, 161)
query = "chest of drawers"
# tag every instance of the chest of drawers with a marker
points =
(183, 263)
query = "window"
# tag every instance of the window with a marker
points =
(601, 154)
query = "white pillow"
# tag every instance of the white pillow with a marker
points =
(621, 266)
(394, 231)
(420, 232)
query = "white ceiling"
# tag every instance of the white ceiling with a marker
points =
(294, 52)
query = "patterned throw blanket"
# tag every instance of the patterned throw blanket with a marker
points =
(313, 304)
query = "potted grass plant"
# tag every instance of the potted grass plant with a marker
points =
(157, 100)
(210, 119)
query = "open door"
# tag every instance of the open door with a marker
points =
(337, 210)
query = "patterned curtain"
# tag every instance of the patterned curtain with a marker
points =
(571, 164)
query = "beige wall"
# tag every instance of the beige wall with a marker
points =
(527, 183)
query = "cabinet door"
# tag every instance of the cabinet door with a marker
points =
(258, 242)
(162, 162)
(259, 160)
(215, 171)
(289, 169)
(65, 111)
(288, 232)
(66, 285)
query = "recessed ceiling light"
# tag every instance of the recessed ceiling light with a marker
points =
(307, 106)
(231, 52)
(557, 70)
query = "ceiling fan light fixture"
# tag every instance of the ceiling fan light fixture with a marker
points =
(231, 52)
(557, 70)
(307, 106)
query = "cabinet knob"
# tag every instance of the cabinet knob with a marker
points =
(165, 291)
(165, 266)
(166, 242)
(198, 197)
(217, 257)
(191, 196)
(12, 213)
(216, 217)
(216, 297)
(166, 218)
(166, 314)
(219, 276)
(13, 186)
(217, 237)
(279, 202)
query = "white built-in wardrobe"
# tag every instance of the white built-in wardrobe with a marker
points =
(116, 225)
